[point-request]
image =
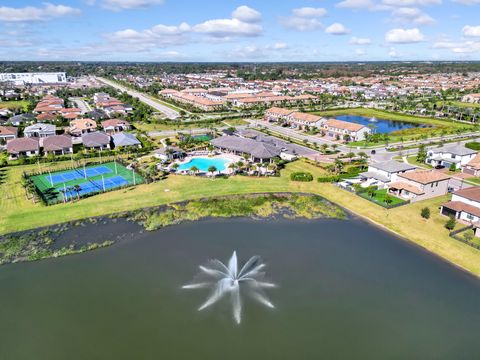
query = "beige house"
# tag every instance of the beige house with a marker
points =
(82, 126)
(420, 185)
(277, 114)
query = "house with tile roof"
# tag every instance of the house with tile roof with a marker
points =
(113, 126)
(420, 185)
(464, 206)
(382, 174)
(57, 145)
(40, 130)
(7, 133)
(82, 126)
(344, 130)
(23, 147)
(473, 166)
(450, 155)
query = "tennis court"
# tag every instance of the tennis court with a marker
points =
(69, 184)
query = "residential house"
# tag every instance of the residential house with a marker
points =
(7, 133)
(21, 147)
(276, 114)
(303, 119)
(124, 139)
(21, 119)
(381, 174)
(96, 141)
(82, 126)
(471, 98)
(257, 150)
(168, 153)
(473, 166)
(420, 185)
(465, 205)
(345, 130)
(450, 155)
(57, 145)
(113, 126)
(40, 130)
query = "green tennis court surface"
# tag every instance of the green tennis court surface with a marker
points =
(57, 186)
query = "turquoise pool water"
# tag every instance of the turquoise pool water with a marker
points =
(204, 163)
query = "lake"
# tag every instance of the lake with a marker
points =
(346, 290)
(382, 126)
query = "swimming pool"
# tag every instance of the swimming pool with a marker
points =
(203, 164)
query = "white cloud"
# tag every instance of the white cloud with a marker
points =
(304, 19)
(356, 4)
(117, 5)
(413, 15)
(360, 41)
(404, 36)
(31, 13)
(247, 14)
(337, 29)
(402, 3)
(244, 22)
(471, 31)
(280, 46)
(309, 12)
(458, 47)
(392, 53)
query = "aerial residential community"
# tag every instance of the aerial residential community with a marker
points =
(259, 180)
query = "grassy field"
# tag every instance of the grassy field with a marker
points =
(457, 104)
(18, 213)
(235, 122)
(380, 196)
(14, 104)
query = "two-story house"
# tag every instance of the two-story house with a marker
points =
(465, 205)
(420, 185)
(381, 174)
(450, 155)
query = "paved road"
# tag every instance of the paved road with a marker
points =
(168, 112)
(81, 104)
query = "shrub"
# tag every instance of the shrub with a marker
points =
(473, 145)
(453, 168)
(468, 236)
(301, 176)
(425, 213)
(451, 223)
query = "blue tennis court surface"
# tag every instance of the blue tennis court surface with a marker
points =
(94, 186)
(78, 174)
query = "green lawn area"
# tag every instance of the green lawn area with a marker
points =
(457, 104)
(380, 196)
(15, 104)
(18, 213)
(235, 122)
(413, 160)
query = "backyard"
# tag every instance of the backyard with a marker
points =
(383, 198)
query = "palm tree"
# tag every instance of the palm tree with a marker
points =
(212, 169)
(194, 170)
(77, 189)
(338, 166)
(175, 166)
(233, 167)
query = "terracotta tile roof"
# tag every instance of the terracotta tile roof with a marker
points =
(46, 116)
(115, 122)
(343, 125)
(475, 162)
(83, 124)
(472, 193)
(279, 111)
(305, 117)
(404, 186)
(57, 142)
(15, 146)
(461, 206)
(8, 131)
(424, 177)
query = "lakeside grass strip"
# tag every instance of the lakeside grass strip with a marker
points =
(18, 213)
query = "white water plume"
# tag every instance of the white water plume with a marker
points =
(226, 279)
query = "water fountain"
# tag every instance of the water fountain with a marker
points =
(224, 279)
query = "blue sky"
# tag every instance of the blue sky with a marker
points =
(248, 30)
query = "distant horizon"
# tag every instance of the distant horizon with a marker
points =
(240, 31)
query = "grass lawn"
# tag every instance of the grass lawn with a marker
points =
(14, 104)
(457, 104)
(380, 196)
(18, 213)
(235, 122)
(413, 160)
